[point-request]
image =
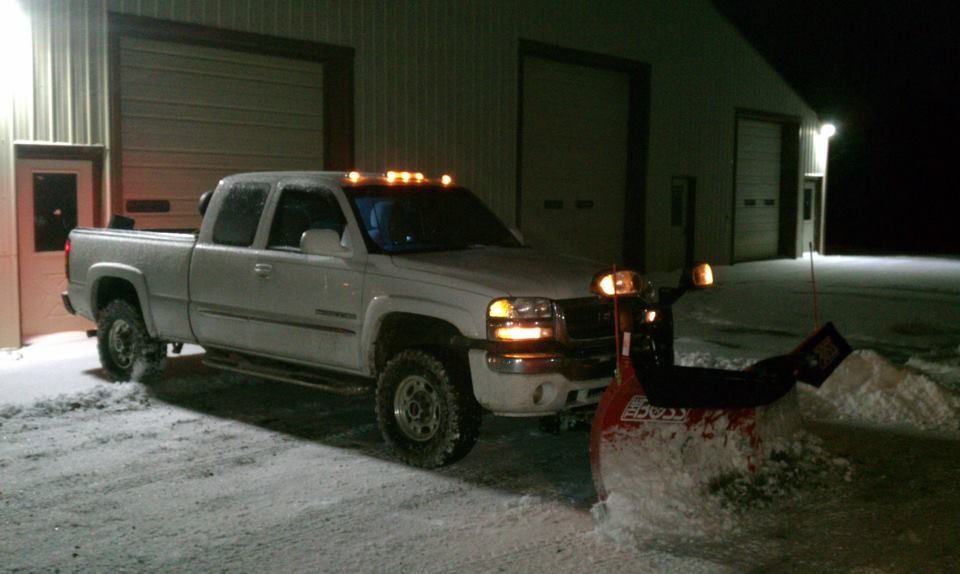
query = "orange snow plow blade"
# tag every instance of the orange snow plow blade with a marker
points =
(653, 422)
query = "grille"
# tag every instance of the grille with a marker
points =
(587, 318)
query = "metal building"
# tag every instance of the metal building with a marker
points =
(650, 133)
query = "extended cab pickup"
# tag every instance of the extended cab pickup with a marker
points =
(354, 282)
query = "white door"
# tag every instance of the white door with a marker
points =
(574, 158)
(53, 197)
(757, 215)
(809, 235)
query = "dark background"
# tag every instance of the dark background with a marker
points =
(887, 74)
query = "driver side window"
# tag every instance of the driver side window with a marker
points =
(301, 209)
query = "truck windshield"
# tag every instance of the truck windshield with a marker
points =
(411, 219)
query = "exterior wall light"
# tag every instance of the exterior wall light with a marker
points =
(828, 130)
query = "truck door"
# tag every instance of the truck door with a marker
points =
(307, 306)
(223, 278)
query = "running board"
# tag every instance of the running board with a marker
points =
(337, 383)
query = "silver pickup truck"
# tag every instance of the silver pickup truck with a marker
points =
(392, 283)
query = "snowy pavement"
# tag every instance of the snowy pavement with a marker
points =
(208, 471)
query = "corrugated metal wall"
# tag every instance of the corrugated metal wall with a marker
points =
(436, 85)
(702, 72)
(435, 80)
(69, 89)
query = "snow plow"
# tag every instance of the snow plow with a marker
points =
(656, 417)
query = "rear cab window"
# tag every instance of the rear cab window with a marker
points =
(240, 213)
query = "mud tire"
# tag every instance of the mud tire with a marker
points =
(426, 410)
(127, 351)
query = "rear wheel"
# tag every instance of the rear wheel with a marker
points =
(426, 409)
(127, 351)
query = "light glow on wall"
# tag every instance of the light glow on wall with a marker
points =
(821, 142)
(16, 50)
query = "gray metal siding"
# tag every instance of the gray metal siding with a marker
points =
(436, 85)
(68, 103)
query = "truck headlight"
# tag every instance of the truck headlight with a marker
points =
(520, 319)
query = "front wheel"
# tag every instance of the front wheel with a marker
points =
(426, 409)
(127, 351)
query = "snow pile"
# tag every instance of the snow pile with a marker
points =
(700, 493)
(922, 395)
(656, 486)
(682, 487)
(790, 467)
(666, 479)
(112, 397)
(866, 388)
(9, 355)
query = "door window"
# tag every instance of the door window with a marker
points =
(54, 209)
(301, 209)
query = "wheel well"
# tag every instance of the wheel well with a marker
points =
(111, 288)
(399, 331)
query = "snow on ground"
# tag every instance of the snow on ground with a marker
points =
(209, 471)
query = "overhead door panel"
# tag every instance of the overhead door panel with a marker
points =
(757, 205)
(193, 114)
(573, 159)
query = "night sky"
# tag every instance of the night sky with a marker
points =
(886, 73)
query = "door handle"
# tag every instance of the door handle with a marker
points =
(263, 270)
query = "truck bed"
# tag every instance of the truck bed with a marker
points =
(155, 263)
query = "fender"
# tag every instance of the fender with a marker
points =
(383, 305)
(131, 275)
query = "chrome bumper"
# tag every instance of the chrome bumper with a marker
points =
(573, 368)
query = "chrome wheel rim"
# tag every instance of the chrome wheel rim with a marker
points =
(416, 407)
(121, 344)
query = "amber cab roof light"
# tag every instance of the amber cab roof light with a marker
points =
(396, 177)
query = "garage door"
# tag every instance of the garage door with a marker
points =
(756, 233)
(574, 158)
(191, 115)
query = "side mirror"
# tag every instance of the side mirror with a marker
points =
(204, 202)
(700, 276)
(322, 242)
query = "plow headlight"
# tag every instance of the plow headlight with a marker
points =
(622, 283)
(520, 319)
(702, 275)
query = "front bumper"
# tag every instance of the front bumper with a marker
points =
(537, 384)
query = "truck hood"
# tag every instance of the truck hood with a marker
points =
(501, 271)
